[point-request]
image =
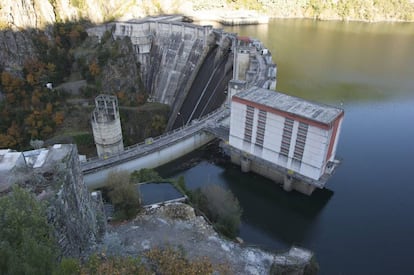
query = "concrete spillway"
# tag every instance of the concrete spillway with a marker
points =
(207, 92)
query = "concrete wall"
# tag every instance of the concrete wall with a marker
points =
(108, 137)
(253, 64)
(169, 54)
(106, 126)
(250, 163)
(151, 159)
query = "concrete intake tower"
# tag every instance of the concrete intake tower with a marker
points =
(106, 126)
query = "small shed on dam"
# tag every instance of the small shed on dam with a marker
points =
(285, 138)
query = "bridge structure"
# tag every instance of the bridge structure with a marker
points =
(233, 64)
(154, 152)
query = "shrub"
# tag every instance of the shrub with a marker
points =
(123, 195)
(26, 242)
(113, 265)
(145, 175)
(220, 206)
(172, 261)
(68, 266)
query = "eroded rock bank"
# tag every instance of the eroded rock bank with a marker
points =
(176, 225)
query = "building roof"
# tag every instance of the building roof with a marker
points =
(295, 106)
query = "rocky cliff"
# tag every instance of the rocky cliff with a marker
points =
(54, 176)
(24, 14)
(15, 48)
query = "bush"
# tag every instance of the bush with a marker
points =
(220, 206)
(145, 175)
(26, 242)
(100, 264)
(123, 195)
(173, 261)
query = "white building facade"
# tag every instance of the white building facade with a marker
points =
(292, 133)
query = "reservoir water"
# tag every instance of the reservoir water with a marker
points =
(363, 223)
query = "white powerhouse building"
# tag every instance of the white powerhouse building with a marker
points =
(285, 138)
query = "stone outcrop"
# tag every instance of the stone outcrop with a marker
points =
(177, 226)
(121, 73)
(23, 14)
(15, 48)
(54, 176)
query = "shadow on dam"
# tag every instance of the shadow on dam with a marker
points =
(208, 90)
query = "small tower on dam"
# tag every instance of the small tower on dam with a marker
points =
(106, 126)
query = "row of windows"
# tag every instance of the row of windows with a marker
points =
(261, 128)
(300, 144)
(248, 126)
(286, 137)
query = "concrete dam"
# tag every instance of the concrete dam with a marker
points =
(194, 69)
(183, 65)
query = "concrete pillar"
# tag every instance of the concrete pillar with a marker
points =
(287, 183)
(245, 164)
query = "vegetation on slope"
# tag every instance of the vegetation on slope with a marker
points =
(123, 194)
(27, 246)
(366, 10)
(29, 109)
(65, 54)
(26, 242)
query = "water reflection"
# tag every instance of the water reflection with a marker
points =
(339, 61)
(366, 227)
(271, 217)
(285, 217)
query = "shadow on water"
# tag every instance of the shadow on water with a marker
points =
(272, 218)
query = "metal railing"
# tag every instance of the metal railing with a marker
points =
(179, 133)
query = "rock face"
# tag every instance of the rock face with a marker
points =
(121, 72)
(23, 14)
(15, 48)
(176, 225)
(27, 13)
(54, 175)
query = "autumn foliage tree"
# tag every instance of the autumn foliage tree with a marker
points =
(29, 110)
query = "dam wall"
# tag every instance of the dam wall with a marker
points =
(169, 53)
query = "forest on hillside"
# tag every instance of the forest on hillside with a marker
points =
(366, 10)
(33, 114)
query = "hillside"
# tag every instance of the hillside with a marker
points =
(39, 13)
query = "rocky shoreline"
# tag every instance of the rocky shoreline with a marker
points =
(176, 226)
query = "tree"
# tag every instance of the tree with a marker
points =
(94, 69)
(220, 206)
(158, 123)
(26, 242)
(145, 175)
(123, 195)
